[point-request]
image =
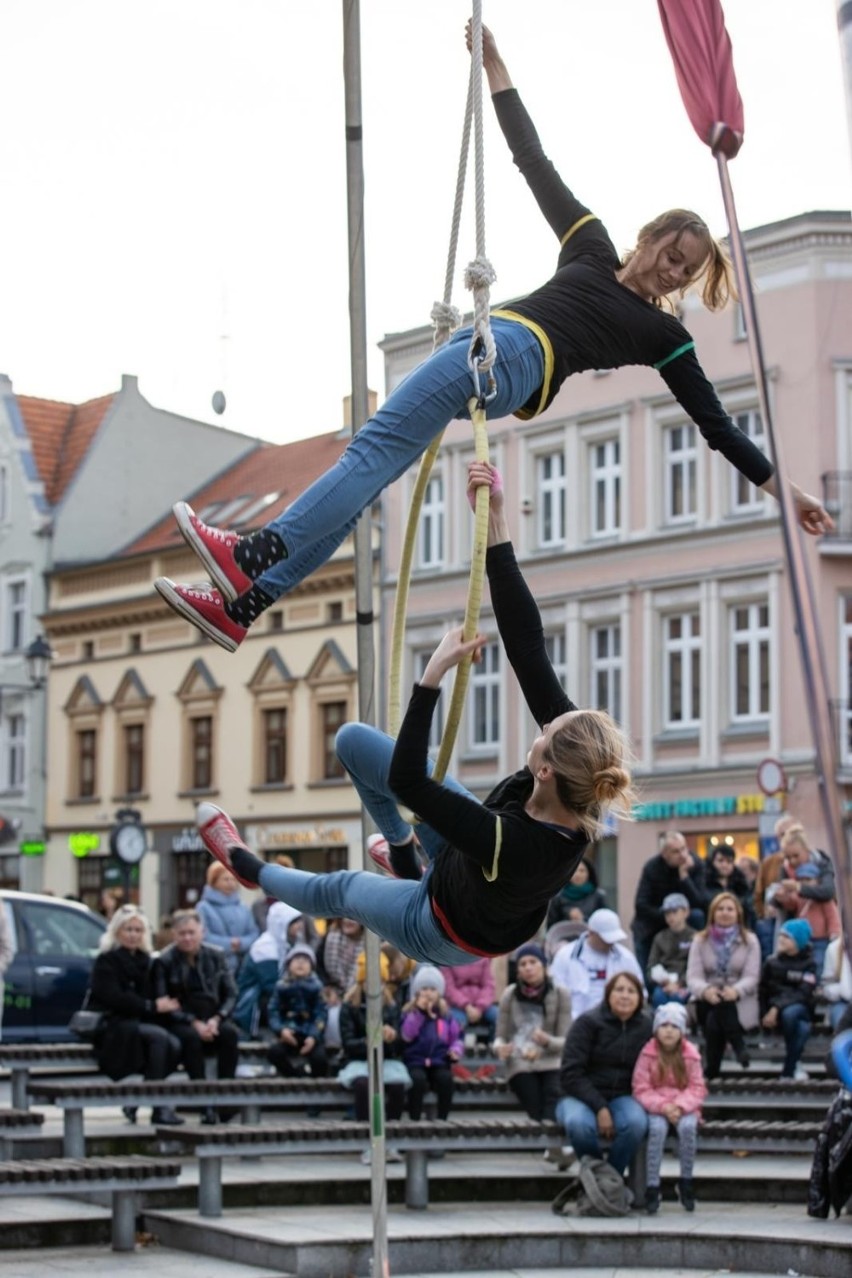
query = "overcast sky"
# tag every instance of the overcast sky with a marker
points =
(174, 200)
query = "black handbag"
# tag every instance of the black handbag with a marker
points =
(86, 1023)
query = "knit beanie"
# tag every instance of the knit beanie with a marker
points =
(799, 930)
(427, 977)
(301, 951)
(530, 948)
(671, 1014)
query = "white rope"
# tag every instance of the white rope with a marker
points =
(480, 274)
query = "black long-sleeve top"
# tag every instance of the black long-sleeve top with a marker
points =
(493, 901)
(586, 319)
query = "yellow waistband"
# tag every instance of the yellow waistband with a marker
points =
(547, 350)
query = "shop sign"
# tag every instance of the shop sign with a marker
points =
(732, 805)
(82, 843)
(189, 840)
(316, 836)
(32, 847)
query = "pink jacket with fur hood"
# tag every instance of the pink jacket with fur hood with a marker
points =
(652, 1097)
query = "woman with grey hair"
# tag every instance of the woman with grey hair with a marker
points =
(129, 1040)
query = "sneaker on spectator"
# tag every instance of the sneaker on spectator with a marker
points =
(800, 1074)
(367, 1156)
(393, 1156)
(204, 607)
(219, 834)
(215, 549)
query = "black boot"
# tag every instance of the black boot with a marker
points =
(686, 1193)
(652, 1200)
(129, 1112)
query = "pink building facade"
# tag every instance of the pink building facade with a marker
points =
(658, 569)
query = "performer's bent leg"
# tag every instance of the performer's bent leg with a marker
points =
(365, 753)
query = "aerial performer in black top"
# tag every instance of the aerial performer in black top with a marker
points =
(492, 866)
(597, 311)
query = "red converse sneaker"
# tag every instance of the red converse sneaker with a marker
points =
(379, 853)
(215, 549)
(220, 835)
(204, 607)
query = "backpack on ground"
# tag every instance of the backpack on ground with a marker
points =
(597, 1190)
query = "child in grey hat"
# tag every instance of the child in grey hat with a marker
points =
(670, 952)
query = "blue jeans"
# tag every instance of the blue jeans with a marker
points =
(795, 1022)
(384, 448)
(580, 1122)
(765, 929)
(397, 910)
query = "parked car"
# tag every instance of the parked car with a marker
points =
(54, 943)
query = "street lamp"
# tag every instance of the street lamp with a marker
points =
(38, 657)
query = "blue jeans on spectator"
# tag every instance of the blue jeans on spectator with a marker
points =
(395, 436)
(795, 1023)
(835, 1011)
(818, 948)
(581, 1128)
(659, 996)
(488, 1020)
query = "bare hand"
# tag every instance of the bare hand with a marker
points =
(452, 649)
(489, 44)
(770, 1020)
(165, 1004)
(504, 1051)
(287, 1036)
(606, 1127)
(812, 515)
(388, 1034)
(235, 944)
(308, 1046)
(484, 475)
(712, 994)
(729, 994)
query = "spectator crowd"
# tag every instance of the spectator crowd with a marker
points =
(616, 1038)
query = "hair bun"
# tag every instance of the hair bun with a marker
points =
(610, 783)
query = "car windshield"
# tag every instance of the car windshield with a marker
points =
(61, 931)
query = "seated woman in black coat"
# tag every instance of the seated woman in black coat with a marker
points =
(129, 1040)
(601, 1049)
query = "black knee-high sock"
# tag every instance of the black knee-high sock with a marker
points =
(258, 551)
(249, 606)
(247, 865)
(404, 860)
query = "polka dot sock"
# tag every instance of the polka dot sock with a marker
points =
(258, 551)
(249, 606)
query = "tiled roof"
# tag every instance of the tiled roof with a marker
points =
(252, 491)
(60, 435)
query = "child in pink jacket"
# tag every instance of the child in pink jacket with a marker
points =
(668, 1082)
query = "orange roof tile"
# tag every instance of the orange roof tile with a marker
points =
(278, 471)
(60, 435)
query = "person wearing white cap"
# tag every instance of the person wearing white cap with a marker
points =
(585, 966)
(668, 1083)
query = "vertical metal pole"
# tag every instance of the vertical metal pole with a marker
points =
(811, 652)
(364, 592)
(844, 31)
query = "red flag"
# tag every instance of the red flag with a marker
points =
(701, 51)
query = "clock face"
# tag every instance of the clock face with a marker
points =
(130, 843)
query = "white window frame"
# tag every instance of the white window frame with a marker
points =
(609, 668)
(845, 717)
(683, 460)
(745, 497)
(14, 742)
(483, 697)
(686, 646)
(556, 646)
(432, 529)
(551, 505)
(436, 728)
(16, 614)
(607, 477)
(755, 639)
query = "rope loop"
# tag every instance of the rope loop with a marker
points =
(445, 320)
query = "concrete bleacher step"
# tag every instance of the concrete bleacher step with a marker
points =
(509, 1236)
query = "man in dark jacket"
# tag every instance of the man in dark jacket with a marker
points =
(197, 975)
(673, 869)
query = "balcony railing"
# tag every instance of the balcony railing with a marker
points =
(837, 499)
